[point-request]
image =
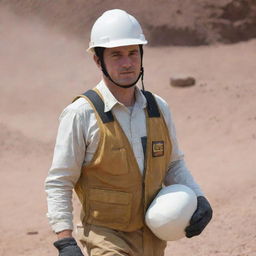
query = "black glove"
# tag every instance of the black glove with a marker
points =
(200, 218)
(68, 247)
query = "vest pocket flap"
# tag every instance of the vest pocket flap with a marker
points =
(110, 196)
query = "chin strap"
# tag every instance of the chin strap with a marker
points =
(142, 78)
(105, 72)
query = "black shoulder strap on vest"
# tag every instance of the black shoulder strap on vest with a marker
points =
(106, 117)
(98, 103)
(152, 107)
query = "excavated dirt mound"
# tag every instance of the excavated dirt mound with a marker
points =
(175, 22)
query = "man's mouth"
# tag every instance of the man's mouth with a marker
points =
(127, 72)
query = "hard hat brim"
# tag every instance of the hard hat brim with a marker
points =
(117, 43)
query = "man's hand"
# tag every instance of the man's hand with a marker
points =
(68, 247)
(200, 218)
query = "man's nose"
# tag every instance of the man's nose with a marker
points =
(126, 62)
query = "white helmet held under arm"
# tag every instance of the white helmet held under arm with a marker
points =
(170, 212)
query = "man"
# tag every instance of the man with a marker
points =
(116, 146)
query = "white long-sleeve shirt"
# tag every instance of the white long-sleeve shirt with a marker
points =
(77, 141)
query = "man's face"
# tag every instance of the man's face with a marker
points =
(123, 63)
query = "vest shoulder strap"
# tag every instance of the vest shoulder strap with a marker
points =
(152, 107)
(99, 105)
(106, 117)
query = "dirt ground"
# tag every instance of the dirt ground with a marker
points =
(41, 70)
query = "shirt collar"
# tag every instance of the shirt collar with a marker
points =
(110, 101)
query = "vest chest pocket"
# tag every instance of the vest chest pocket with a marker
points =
(109, 208)
(116, 161)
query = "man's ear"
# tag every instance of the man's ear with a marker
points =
(97, 60)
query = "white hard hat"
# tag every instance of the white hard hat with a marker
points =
(170, 212)
(116, 28)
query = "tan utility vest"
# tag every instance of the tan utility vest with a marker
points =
(111, 188)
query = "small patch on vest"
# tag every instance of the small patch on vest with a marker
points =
(157, 148)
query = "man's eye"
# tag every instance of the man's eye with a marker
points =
(135, 53)
(115, 55)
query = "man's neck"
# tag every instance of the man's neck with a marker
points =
(125, 96)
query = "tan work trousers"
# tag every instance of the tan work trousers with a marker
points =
(101, 241)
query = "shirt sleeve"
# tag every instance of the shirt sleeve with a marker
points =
(178, 173)
(65, 170)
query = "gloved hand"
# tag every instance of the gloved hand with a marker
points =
(200, 218)
(68, 247)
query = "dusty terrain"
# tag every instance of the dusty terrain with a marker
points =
(173, 22)
(42, 69)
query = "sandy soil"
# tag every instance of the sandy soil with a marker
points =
(41, 71)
